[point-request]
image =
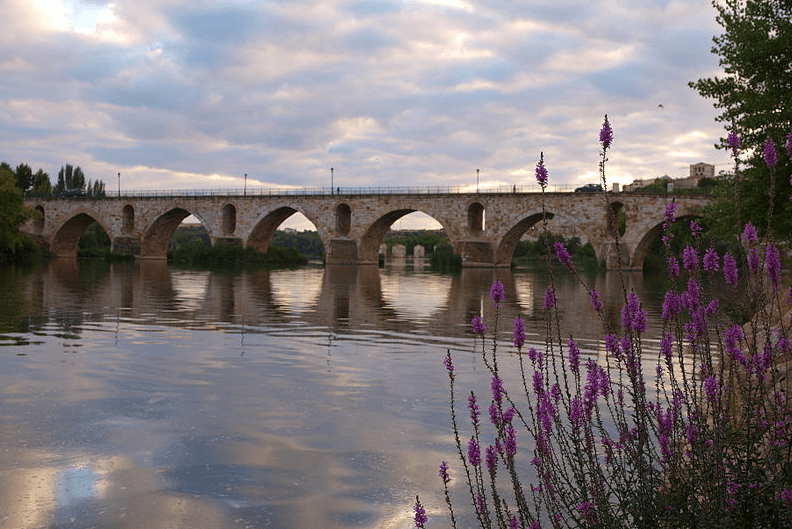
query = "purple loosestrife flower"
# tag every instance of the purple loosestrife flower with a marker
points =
(670, 214)
(549, 298)
(667, 346)
(514, 523)
(538, 383)
(695, 229)
(689, 258)
(420, 518)
(519, 332)
(770, 154)
(672, 305)
(563, 254)
(478, 325)
(496, 292)
(448, 364)
(749, 233)
(491, 458)
(474, 453)
(541, 171)
(712, 388)
(731, 341)
(606, 134)
(481, 504)
(475, 412)
(711, 260)
(576, 412)
(733, 142)
(443, 472)
(730, 269)
(510, 442)
(673, 267)
(574, 356)
(497, 389)
(753, 260)
(773, 265)
(596, 302)
(633, 315)
(612, 345)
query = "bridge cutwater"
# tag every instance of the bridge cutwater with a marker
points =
(483, 228)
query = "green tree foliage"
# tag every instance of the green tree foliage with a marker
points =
(12, 215)
(754, 99)
(70, 180)
(24, 177)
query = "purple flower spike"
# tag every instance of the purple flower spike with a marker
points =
(478, 325)
(730, 269)
(541, 171)
(770, 155)
(519, 332)
(773, 265)
(474, 453)
(670, 213)
(749, 233)
(549, 298)
(689, 258)
(496, 292)
(444, 472)
(733, 141)
(606, 134)
(563, 254)
(574, 356)
(711, 260)
(420, 518)
(596, 302)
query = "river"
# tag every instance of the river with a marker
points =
(139, 395)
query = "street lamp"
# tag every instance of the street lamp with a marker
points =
(244, 192)
(477, 180)
(119, 184)
(331, 180)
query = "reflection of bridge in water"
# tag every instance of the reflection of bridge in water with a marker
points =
(337, 297)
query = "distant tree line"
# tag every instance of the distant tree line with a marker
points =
(71, 182)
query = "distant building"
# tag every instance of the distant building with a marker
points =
(697, 172)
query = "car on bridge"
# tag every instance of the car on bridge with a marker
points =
(589, 188)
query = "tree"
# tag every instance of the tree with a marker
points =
(754, 98)
(24, 177)
(70, 180)
(41, 184)
(12, 214)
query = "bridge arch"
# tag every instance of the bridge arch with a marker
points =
(263, 231)
(476, 218)
(38, 222)
(373, 235)
(228, 220)
(155, 241)
(64, 242)
(128, 219)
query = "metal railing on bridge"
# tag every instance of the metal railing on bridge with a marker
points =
(345, 191)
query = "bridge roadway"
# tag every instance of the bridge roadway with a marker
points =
(484, 228)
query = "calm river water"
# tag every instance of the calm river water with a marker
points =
(139, 395)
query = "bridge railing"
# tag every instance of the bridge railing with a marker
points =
(341, 190)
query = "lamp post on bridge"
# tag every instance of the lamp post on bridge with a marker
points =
(244, 191)
(477, 180)
(119, 184)
(331, 180)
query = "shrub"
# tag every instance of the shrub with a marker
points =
(695, 434)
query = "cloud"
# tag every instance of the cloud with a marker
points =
(395, 93)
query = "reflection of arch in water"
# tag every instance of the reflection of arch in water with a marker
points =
(416, 297)
(190, 289)
(296, 291)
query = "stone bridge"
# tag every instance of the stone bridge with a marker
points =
(484, 228)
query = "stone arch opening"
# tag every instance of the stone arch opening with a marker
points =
(505, 251)
(157, 238)
(265, 230)
(476, 218)
(228, 220)
(368, 252)
(652, 236)
(66, 240)
(38, 222)
(617, 219)
(128, 220)
(343, 219)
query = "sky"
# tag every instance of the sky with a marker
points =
(194, 94)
